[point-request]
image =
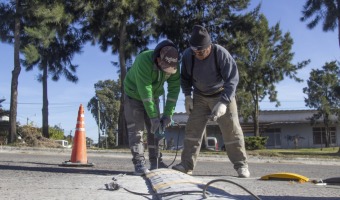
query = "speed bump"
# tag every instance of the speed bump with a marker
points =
(175, 185)
(285, 176)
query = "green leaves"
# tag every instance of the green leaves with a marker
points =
(321, 86)
(107, 100)
(264, 58)
(31, 54)
(321, 91)
(318, 10)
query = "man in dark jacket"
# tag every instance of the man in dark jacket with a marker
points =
(143, 85)
(209, 71)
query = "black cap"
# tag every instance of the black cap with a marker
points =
(169, 59)
(200, 38)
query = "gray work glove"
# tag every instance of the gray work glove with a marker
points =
(166, 121)
(155, 122)
(189, 105)
(218, 110)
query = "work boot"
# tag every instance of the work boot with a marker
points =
(140, 168)
(181, 168)
(243, 172)
(161, 164)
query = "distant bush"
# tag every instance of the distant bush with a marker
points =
(254, 142)
(56, 133)
(32, 136)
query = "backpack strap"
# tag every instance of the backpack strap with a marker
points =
(192, 67)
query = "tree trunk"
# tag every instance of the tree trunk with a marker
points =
(12, 136)
(45, 103)
(98, 115)
(122, 129)
(256, 116)
(256, 121)
(339, 36)
(327, 134)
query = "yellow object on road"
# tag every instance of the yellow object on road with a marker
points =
(285, 176)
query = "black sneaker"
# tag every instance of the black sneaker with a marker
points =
(140, 168)
(161, 164)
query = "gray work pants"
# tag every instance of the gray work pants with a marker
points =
(136, 117)
(229, 125)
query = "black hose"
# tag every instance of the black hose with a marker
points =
(228, 181)
(166, 193)
(179, 131)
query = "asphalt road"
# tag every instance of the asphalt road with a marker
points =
(36, 174)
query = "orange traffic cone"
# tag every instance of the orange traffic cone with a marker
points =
(79, 155)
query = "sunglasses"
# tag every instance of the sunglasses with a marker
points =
(199, 52)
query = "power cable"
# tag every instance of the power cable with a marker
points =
(228, 181)
(115, 186)
(166, 193)
(179, 130)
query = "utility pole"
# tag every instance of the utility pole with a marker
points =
(116, 129)
(98, 122)
(106, 135)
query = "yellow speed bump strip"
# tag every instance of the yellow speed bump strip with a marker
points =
(177, 182)
(175, 185)
(165, 178)
(285, 176)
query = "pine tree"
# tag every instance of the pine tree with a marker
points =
(52, 40)
(124, 27)
(45, 32)
(321, 96)
(108, 94)
(177, 18)
(10, 31)
(264, 58)
(326, 10)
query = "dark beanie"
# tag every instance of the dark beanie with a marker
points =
(200, 38)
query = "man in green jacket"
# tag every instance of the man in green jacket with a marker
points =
(143, 85)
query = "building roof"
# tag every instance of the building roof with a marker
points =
(267, 117)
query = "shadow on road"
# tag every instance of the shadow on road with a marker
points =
(296, 198)
(58, 169)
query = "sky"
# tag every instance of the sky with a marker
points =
(94, 65)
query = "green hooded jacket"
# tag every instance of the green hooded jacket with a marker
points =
(145, 82)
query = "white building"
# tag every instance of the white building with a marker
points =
(284, 128)
(4, 119)
(4, 124)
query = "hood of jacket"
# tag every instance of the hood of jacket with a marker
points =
(156, 52)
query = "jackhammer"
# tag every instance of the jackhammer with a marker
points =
(158, 139)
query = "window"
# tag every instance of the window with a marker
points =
(319, 135)
(273, 135)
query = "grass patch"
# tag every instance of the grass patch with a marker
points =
(331, 152)
(327, 153)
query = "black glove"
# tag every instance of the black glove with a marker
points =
(166, 121)
(155, 122)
